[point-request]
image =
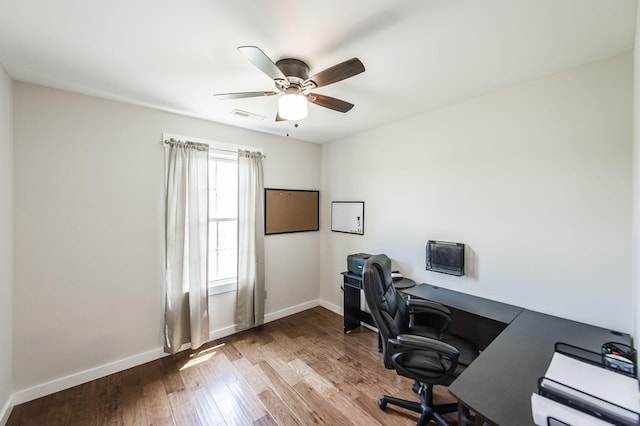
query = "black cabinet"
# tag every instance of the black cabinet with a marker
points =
(353, 313)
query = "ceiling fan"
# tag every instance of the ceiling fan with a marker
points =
(291, 78)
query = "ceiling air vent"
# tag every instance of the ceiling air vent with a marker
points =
(246, 114)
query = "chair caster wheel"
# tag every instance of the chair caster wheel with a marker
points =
(415, 387)
(382, 403)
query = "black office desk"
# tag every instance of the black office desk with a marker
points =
(477, 319)
(498, 385)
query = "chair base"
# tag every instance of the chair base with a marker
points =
(428, 411)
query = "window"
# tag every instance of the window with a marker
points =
(223, 212)
(223, 221)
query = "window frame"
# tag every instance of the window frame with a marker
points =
(223, 285)
(231, 151)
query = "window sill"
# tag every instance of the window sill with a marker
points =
(222, 287)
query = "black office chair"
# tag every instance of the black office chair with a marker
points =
(425, 353)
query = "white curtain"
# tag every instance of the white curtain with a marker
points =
(251, 292)
(186, 237)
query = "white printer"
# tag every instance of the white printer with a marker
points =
(580, 391)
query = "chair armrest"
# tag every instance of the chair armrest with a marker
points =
(421, 306)
(412, 341)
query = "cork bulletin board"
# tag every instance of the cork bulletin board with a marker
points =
(290, 210)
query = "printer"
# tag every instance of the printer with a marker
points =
(576, 390)
(355, 263)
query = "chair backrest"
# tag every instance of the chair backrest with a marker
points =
(387, 307)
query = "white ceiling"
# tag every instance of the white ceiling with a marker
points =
(419, 54)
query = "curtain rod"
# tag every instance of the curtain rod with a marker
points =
(166, 141)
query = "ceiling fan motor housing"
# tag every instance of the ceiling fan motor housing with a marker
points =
(296, 71)
(293, 68)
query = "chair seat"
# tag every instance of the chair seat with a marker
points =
(468, 351)
(426, 367)
(423, 330)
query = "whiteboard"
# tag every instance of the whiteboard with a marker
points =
(347, 217)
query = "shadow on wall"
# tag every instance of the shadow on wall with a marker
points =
(470, 262)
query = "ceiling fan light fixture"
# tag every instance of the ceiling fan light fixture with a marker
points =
(292, 106)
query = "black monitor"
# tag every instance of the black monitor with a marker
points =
(445, 257)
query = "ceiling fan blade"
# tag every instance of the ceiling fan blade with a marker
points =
(337, 72)
(223, 96)
(262, 61)
(329, 102)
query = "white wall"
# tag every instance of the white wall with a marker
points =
(88, 229)
(6, 240)
(536, 179)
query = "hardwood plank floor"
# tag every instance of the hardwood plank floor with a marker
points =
(298, 370)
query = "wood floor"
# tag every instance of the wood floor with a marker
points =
(298, 370)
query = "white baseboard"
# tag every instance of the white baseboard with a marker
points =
(6, 410)
(228, 331)
(340, 311)
(75, 379)
(332, 307)
(291, 310)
